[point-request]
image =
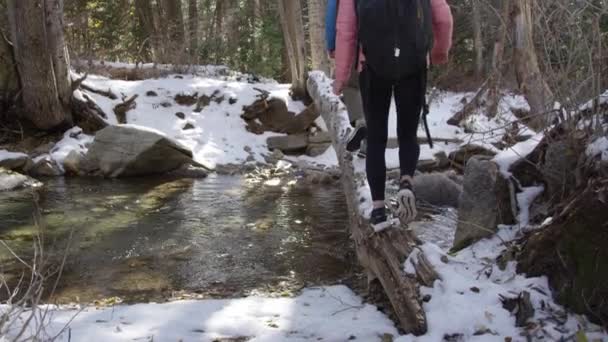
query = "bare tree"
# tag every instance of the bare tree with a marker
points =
(193, 20)
(290, 12)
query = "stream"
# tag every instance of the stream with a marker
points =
(145, 239)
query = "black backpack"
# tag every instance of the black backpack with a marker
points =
(396, 36)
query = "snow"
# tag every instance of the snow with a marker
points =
(506, 158)
(219, 135)
(327, 313)
(73, 140)
(599, 146)
(5, 155)
(524, 200)
(10, 180)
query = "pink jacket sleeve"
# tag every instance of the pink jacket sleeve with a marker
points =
(346, 39)
(442, 31)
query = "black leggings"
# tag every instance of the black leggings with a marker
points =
(376, 94)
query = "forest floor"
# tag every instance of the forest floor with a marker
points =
(465, 305)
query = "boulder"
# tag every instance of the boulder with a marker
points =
(122, 151)
(10, 180)
(71, 163)
(46, 167)
(14, 161)
(320, 137)
(466, 152)
(484, 204)
(558, 167)
(437, 189)
(315, 150)
(288, 143)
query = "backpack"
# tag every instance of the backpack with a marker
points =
(395, 35)
(330, 25)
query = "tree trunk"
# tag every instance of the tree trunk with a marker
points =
(193, 21)
(9, 84)
(316, 14)
(290, 12)
(477, 38)
(42, 62)
(173, 22)
(530, 80)
(145, 15)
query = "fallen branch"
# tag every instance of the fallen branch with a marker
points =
(121, 109)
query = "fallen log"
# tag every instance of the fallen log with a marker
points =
(382, 254)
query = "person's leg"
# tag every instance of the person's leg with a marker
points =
(376, 95)
(354, 105)
(409, 95)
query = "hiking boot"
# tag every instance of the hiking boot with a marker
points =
(406, 202)
(356, 137)
(363, 150)
(379, 220)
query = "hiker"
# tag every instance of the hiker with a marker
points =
(351, 92)
(391, 43)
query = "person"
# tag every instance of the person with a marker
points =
(351, 92)
(391, 44)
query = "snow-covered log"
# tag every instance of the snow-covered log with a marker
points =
(382, 254)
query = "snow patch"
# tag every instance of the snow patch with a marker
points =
(5, 155)
(599, 146)
(508, 157)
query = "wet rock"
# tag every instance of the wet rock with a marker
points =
(14, 161)
(119, 151)
(484, 204)
(466, 152)
(43, 149)
(151, 93)
(443, 162)
(189, 171)
(288, 143)
(314, 150)
(10, 180)
(72, 162)
(274, 157)
(45, 167)
(180, 115)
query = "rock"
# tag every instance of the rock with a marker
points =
(189, 171)
(14, 161)
(188, 126)
(202, 103)
(426, 165)
(250, 159)
(45, 167)
(288, 143)
(151, 93)
(43, 149)
(443, 162)
(484, 204)
(274, 157)
(119, 151)
(560, 161)
(437, 189)
(520, 306)
(72, 162)
(180, 115)
(314, 150)
(186, 99)
(466, 152)
(320, 137)
(232, 100)
(166, 104)
(10, 180)
(247, 149)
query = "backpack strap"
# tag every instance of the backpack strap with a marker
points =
(425, 107)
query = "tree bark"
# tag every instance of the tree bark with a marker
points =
(42, 62)
(528, 74)
(316, 14)
(174, 42)
(290, 12)
(193, 21)
(477, 38)
(145, 15)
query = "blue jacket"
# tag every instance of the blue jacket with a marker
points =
(330, 25)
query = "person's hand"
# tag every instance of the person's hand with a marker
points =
(338, 87)
(331, 54)
(438, 58)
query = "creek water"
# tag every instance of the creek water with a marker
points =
(149, 238)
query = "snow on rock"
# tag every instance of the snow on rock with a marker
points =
(516, 152)
(73, 140)
(10, 180)
(598, 147)
(318, 314)
(13, 160)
